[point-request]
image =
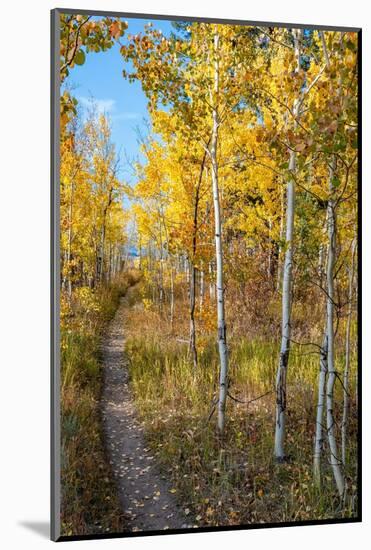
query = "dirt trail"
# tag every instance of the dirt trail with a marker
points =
(144, 494)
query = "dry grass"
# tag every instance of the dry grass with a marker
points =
(234, 480)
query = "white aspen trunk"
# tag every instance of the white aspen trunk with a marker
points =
(321, 402)
(347, 360)
(286, 321)
(202, 289)
(222, 329)
(279, 440)
(282, 232)
(335, 462)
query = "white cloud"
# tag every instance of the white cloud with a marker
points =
(108, 106)
(101, 105)
(127, 115)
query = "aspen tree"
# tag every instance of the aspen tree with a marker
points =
(330, 424)
(321, 404)
(338, 147)
(279, 441)
(222, 328)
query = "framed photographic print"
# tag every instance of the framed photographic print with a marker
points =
(205, 274)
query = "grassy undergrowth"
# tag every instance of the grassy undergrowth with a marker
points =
(89, 501)
(235, 480)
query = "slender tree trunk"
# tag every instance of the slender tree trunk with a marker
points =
(331, 228)
(222, 329)
(102, 248)
(63, 264)
(171, 294)
(286, 321)
(109, 270)
(140, 254)
(97, 265)
(335, 462)
(321, 403)
(152, 271)
(118, 261)
(103, 235)
(344, 423)
(192, 325)
(160, 288)
(279, 441)
(161, 275)
(282, 231)
(115, 261)
(202, 289)
(322, 256)
(193, 271)
(270, 250)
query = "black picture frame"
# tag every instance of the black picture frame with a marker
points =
(55, 274)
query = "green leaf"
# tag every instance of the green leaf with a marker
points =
(80, 57)
(335, 182)
(350, 45)
(340, 145)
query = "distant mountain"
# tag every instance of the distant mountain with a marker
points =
(132, 253)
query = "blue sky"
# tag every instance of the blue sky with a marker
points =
(100, 78)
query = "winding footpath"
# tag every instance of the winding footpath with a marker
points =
(144, 493)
